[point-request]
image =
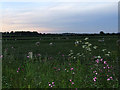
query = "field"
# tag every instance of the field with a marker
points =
(72, 62)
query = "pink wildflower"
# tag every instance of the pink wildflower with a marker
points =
(49, 84)
(97, 60)
(94, 71)
(53, 82)
(71, 69)
(105, 62)
(72, 82)
(101, 60)
(108, 79)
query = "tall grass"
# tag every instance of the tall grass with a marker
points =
(66, 64)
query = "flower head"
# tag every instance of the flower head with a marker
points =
(72, 82)
(18, 68)
(105, 62)
(49, 84)
(101, 60)
(108, 79)
(71, 69)
(53, 82)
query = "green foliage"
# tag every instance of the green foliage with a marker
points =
(59, 63)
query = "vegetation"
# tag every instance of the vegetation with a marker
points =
(60, 62)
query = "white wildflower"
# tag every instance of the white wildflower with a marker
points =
(95, 47)
(86, 39)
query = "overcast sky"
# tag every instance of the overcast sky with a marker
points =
(59, 17)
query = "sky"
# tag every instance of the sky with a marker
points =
(51, 16)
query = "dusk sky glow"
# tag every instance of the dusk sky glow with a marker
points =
(60, 17)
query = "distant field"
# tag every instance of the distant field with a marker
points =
(60, 62)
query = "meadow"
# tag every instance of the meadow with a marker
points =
(72, 62)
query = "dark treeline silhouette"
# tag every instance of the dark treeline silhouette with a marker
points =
(36, 34)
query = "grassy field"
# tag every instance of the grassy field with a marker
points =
(82, 62)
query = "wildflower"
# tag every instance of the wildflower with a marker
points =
(111, 77)
(73, 73)
(58, 69)
(18, 68)
(30, 55)
(77, 42)
(107, 55)
(1, 56)
(53, 82)
(96, 73)
(89, 44)
(74, 57)
(71, 69)
(94, 79)
(88, 49)
(97, 60)
(17, 71)
(95, 47)
(86, 39)
(109, 52)
(99, 56)
(103, 50)
(101, 60)
(27, 56)
(108, 79)
(49, 84)
(86, 43)
(51, 44)
(105, 62)
(104, 67)
(72, 82)
(83, 46)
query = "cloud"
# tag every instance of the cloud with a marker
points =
(61, 17)
(59, 1)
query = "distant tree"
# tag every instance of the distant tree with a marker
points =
(101, 32)
(11, 32)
